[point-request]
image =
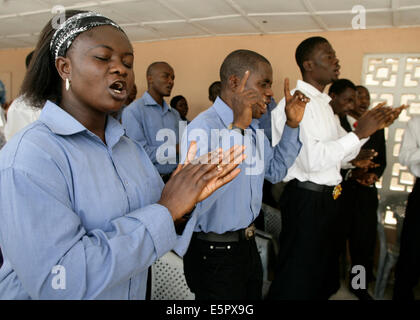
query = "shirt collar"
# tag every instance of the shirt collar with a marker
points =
(59, 121)
(149, 101)
(62, 123)
(226, 113)
(311, 90)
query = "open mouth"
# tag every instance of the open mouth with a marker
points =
(337, 71)
(118, 87)
(118, 90)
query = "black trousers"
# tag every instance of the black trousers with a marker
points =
(407, 271)
(308, 262)
(358, 214)
(224, 270)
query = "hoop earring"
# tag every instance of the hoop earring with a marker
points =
(67, 84)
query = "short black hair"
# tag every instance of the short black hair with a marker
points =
(340, 85)
(175, 100)
(305, 49)
(214, 90)
(239, 61)
(362, 87)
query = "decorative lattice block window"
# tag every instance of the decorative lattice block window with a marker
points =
(394, 78)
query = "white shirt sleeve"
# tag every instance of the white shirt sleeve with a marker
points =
(410, 147)
(316, 155)
(19, 115)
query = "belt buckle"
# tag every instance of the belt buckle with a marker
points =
(337, 191)
(250, 232)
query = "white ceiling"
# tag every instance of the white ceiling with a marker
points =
(152, 20)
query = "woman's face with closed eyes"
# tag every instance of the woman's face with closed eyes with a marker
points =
(100, 69)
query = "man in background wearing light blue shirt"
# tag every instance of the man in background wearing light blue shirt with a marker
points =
(145, 117)
(222, 261)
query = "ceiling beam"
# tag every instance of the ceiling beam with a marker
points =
(308, 5)
(251, 21)
(187, 19)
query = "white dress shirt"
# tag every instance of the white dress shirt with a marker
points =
(19, 115)
(351, 121)
(326, 146)
(410, 147)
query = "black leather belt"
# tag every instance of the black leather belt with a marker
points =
(312, 186)
(230, 236)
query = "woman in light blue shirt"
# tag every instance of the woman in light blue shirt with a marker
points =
(83, 211)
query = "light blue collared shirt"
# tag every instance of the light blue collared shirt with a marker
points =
(69, 200)
(238, 203)
(142, 119)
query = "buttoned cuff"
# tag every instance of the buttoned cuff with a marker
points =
(159, 223)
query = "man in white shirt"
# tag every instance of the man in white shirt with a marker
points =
(20, 113)
(308, 258)
(407, 272)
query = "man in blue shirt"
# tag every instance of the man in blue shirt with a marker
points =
(145, 118)
(222, 261)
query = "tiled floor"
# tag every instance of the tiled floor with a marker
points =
(344, 293)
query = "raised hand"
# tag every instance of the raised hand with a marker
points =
(295, 105)
(393, 114)
(197, 179)
(226, 171)
(243, 102)
(371, 121)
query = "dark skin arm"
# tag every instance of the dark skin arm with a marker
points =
(295, 105)
(244, 100)
(364, 159)
(371, 121)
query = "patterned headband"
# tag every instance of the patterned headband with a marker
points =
(72, 27)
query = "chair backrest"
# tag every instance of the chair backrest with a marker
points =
(168, 279)
(272, 220)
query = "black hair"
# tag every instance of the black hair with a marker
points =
(239, 61)
(305, 49)
(214, 90)
(339, 86)
(29, 58)
(42, 81)
(175, 100)
(362, 87)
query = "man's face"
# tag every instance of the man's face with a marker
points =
(161, 79)
(182, 107)
(326, 68)
(344, 102)
(261, 80)
(362, 101)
